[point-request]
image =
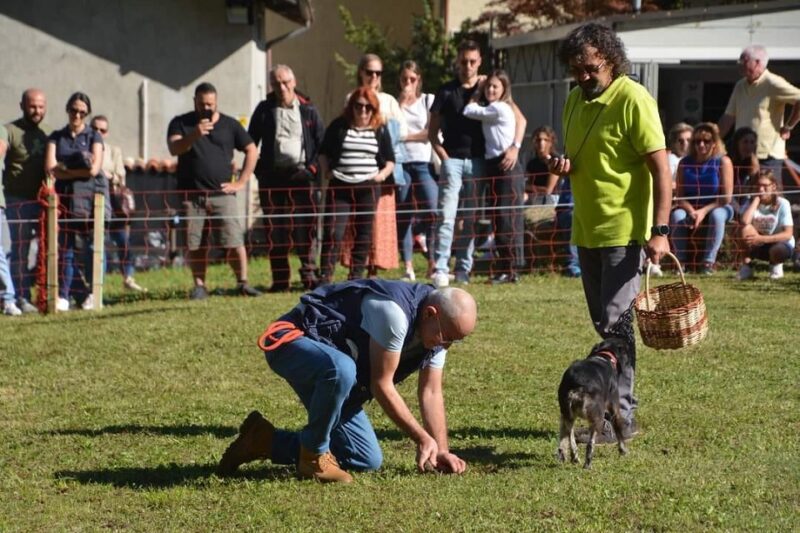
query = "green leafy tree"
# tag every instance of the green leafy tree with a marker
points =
(430, 47)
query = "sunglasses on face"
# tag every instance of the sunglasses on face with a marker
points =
(371, 73)
(409, 79)
(586, 69)
(101, 130)
(77, 112)
(361, 108)
(703, 141)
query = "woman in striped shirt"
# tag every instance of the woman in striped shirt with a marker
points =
(355, 157)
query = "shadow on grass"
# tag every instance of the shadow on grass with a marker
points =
(189, 430)
(166, 476)
(474, 432)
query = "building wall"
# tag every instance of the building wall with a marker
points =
(311, 54)
(110, 48)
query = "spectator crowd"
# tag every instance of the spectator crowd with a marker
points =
(438, 172)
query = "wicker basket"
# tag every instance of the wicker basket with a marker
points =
(671, 316)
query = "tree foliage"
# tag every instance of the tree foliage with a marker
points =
(430, 47)
(507, 17)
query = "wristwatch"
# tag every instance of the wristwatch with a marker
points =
(661, 230)
(516, 145)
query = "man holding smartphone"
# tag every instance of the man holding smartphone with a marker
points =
(204, 140)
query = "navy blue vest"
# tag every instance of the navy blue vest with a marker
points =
(332, 314)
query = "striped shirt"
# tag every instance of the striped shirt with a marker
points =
(358, 162)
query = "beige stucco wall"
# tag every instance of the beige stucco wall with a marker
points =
(108, 48)
(311, 54)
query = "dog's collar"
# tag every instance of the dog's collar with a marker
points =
(607, 354)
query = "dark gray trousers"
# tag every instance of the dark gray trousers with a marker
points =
(611, 278)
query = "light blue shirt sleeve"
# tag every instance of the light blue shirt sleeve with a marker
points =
(437, 361)
(384, 321)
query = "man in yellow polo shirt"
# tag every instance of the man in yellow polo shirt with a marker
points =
(758, 102)
(621, 183)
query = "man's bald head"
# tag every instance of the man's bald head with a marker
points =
(457, 308)
(33, 105)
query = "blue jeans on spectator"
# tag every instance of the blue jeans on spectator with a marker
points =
(715, 221)
(416, 201)
(23, 219)
(323, 377)
(121, 237)
(7, 294)
(458, 181)
(76, 270)
(564, 234)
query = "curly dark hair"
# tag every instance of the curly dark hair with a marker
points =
(608, 45)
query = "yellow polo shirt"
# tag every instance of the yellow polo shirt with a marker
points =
(606, 140)
(760, 105)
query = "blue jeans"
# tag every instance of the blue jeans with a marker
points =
(564, 234)
(715, 221)
(323, 377)
(458, 180)
(420, 194)
(7, 294)
(23, 219)
(121, 237)
(76, 267)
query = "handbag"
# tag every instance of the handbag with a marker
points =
(123, 202)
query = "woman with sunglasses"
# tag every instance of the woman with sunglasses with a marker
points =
(418, 195)
(74, 157)
(356, 158)
(704, 189)
(384, 249)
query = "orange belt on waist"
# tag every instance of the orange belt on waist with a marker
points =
(268, 341)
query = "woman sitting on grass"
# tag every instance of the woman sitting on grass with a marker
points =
(767, 228)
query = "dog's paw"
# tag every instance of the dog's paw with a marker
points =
(560, 455)
(587, 466)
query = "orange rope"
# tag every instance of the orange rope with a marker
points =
(268, 341)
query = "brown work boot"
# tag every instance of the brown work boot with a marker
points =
(254, 442)
(321, 467)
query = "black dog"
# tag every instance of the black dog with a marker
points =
(588, 389)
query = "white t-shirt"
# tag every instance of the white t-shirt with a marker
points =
(769, 220)
(387, 324)
(498, 124)
(417, 117)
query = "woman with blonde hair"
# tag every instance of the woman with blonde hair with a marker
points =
(704, 188)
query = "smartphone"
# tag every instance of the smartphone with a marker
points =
(206, 114)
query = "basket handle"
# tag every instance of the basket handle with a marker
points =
(647, 277)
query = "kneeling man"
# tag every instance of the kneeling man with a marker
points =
(343, 345)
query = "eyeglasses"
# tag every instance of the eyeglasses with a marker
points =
(445, 341)
(359, 107)
(703, 141)
(371, 73)
(78, 112)
(586, 69)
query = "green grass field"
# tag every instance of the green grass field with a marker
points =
(114, 420)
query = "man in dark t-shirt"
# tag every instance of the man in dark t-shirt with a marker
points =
(204, 140)
(462, 153)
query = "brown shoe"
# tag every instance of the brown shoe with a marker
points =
(254, 442)
(321, 467)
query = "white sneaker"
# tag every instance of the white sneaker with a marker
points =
(776, 271)
(131, 285)
(409, 275)
(11, 309)
(745, 272)
(62, 304)
(88, 303)
(440, 280)
(655, 270)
